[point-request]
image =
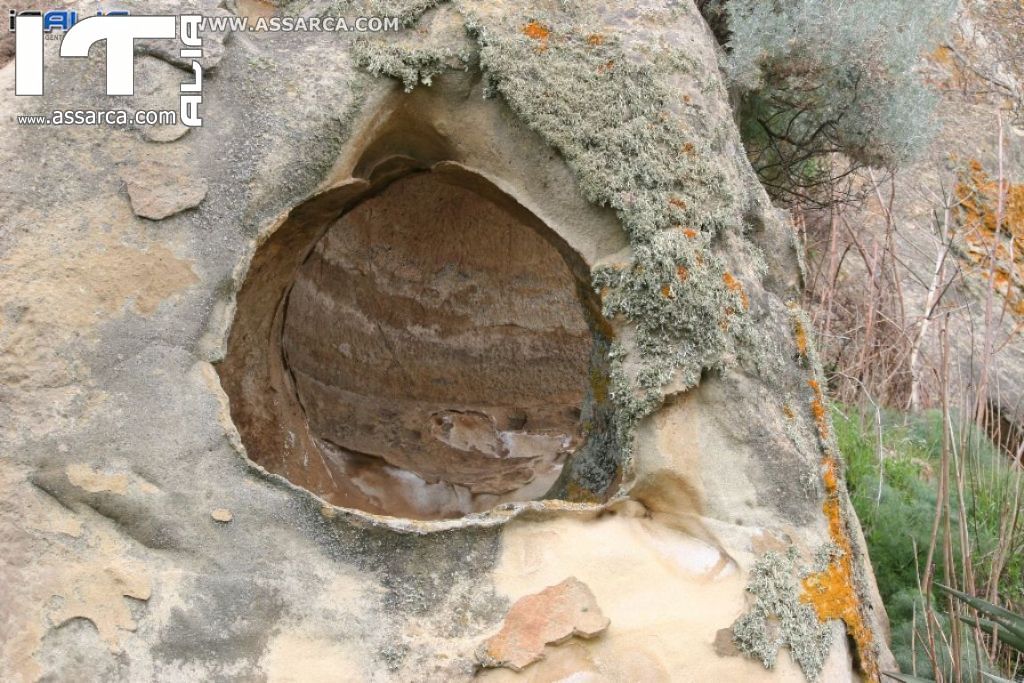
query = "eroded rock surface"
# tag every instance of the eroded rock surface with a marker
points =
(550, 617)
(158, 189)
(430, 334)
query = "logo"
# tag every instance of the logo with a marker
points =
(62, 19)
(119, 31)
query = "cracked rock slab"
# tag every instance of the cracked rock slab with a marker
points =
(549, 617)
(158, 189)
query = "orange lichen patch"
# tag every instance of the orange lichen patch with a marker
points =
(830, 477)
(536, 30)
(787, 410)
(978, 197)
(734, 285)
(818, 410)
(946, 69)
(800, 336)
(682, 273)
(666, 291)
(994, 231)
(595, 39)
(690, 233)
(941, 55)
(678, 203)
(607, 66)
(832, 592)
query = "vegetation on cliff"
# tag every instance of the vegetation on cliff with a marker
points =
(901, 475)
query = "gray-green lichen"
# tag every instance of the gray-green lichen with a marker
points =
(411, 65)
(777, 618)
(610, 119)
(406, 11)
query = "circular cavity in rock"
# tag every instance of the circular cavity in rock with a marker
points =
(429, 354)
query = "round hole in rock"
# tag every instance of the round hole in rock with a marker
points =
(424, 355)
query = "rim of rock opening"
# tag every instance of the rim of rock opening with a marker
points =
(254, 355)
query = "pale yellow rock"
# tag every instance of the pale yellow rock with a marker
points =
(84, 477)
(663, 628)
(222, 515)
(303, 658)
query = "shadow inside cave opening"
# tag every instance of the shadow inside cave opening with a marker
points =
(416, 345)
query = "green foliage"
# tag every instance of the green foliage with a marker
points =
(996, 621)
(897, 516)
(820, 77)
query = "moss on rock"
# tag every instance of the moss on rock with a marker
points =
(779, 618)
(410, 64)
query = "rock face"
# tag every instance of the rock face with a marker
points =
(467, 309)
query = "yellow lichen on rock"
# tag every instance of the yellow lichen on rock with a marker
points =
(993, 229)
(832, 592)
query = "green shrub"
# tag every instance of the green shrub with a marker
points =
(819, 77)
(897, 517)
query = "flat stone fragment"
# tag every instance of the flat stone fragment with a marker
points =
(158, 189)
(549, 617)
(222, 515)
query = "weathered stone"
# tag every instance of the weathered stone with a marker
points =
(158, 190)
(552, 616)
(724, 643)
(222, 515)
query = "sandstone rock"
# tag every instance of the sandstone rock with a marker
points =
(158, 190)
(552, 616)
(424, 343)
(222, 515)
